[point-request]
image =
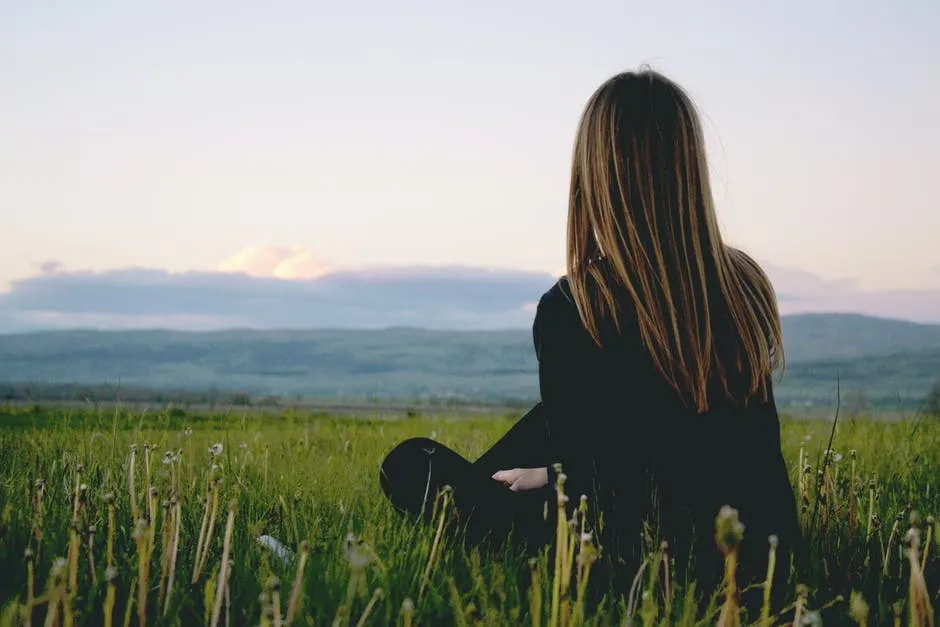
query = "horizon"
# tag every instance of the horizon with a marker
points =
(287, 144)
(396, 327)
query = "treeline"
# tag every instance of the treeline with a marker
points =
(105, 393)
(96, 395)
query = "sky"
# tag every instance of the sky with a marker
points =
(288, 140)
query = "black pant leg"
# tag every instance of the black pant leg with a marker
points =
(414, 471)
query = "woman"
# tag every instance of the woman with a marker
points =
(656, 354)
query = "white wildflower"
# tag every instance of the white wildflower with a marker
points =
(276, 547)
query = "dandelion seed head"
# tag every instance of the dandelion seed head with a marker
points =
(729, 531)
(408, 605)
(139, 529)
(58, 568)
(111, 574)
(858, 608)
(773, 540)
(28, 553)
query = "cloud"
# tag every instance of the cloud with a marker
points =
(251, 291)
(448, 297)
(799, 292)
(271, 260)
(51, 266)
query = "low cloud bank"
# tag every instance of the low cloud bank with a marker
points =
(298, 296)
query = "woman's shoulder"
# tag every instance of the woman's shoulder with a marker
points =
(557, 310)
(557, 305)
(556, 314)
(558, 295)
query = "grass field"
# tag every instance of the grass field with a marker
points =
(82, 544)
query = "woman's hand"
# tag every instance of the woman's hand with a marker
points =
(523, 479)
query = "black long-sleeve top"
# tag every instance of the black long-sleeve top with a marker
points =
(625, 440)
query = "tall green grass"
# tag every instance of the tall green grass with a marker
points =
(154, 518)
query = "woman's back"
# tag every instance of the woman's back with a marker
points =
(651, 463)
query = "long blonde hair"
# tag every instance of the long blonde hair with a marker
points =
(641, 219)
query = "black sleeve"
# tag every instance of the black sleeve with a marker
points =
(524, 445)
(571, 386)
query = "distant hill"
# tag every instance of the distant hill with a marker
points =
(811, 337)
(893, 362)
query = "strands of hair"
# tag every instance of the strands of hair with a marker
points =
(642, 222)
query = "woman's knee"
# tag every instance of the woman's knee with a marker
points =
(406, 465)
(407, 451)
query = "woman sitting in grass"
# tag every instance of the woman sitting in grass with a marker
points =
(656, 354)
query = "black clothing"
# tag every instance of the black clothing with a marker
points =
(625, 440)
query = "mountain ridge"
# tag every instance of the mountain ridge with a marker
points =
(882, 357)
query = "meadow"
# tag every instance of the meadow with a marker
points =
(122, 517)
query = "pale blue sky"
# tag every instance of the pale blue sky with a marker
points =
(175, 135)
